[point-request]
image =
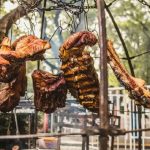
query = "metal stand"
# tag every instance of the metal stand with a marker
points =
(103, 98)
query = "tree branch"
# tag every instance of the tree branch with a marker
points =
(121, 39)
(9, 19)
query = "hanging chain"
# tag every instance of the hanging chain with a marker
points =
(143, 2)
(68, 6)
(28, 5)
(71, 7)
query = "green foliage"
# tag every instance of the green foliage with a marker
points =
(133, 21)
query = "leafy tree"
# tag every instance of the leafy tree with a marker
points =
(133, 21)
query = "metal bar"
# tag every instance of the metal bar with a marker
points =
(42, 29)
(35, 121)
(83, 142)
(29, 140)
(59, 140)
(31, 136)
(103, 98)
(16, 122)
(112, 142)
(60, 8)
(140, 126)
(87, 142)
(137, 130)
(26, 136)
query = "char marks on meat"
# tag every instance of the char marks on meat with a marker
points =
(135, 86)
(49, 91)
(78, 68)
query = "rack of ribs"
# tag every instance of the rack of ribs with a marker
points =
(78, 68)
(135, 86)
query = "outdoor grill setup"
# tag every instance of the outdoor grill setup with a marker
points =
(77, 100)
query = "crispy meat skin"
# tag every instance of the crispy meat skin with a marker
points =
(78, 39)
(75, 44)
(8, 71)
(135, 86)
(26, 48)
(12, 67)
(11, 92)
(13, 56)
(78, 67)
(49, 91)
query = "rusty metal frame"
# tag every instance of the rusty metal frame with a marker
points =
(103, 93)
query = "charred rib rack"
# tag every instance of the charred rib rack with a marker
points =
(135, 86)
(78, 67)
(49, 91)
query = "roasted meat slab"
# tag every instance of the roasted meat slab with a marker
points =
(49, 91)
(26, 48)
(10, 92)
(135, 86)
(12, 67)
(7, 70)
(12, 56)
(78, 68)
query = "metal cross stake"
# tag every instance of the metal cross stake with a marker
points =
(103, 98)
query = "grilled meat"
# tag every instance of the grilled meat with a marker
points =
(49, 91)
(10, 92)
(8, 71)
(26, 48)
(135, 86)
(15, 55)
(78, 68)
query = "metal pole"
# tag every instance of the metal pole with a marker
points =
(16, 122)
(35, 124)
(103, 98)
(87, 142)
(112, 142)
(52, 122)
(42, 29)
(140, 127)
(83, 142)
(29, 140)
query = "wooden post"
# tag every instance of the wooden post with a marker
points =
(103, 99)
